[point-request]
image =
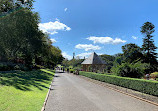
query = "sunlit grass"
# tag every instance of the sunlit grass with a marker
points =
(24, 91)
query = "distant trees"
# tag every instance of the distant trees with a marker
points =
(129, 64)
(20, 37)
(136, 61)
(109, 59)
(73, 63)
(132, 53)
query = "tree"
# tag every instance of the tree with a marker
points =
(134, 70)
(20, 35)
(21, 38)
(132, 53)
(74, 63)
(148, 43)
(109, 59)
(18, 29)
(7, 6)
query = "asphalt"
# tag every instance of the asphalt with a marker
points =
(72, 93)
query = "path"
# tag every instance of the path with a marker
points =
(72, 93)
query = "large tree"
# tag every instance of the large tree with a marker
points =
(148, 43)
(132, 53)
(20, 35)
(21, 38)
(9, 5)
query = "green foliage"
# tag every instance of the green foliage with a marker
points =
(132, 53)
(8, 66)
(8, 5)
(16, 67)
(21, 40)
(3, 67)
(70, 67)
(118, 60)
(74, 63)
(109, 61)
(154, 75)
(145, 86)
(71, 70)
(134, 70)
(148, 46)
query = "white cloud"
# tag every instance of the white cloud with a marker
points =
(106, 40)
(134, 37)
(86, 54)
(87, 47)
(100, 53)
(82, 55)
(65, 9)
(53, 27)
(53, 40)
(66, 55)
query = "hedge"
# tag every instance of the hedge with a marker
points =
(144, 86)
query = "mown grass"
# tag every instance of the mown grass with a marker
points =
(24, 91)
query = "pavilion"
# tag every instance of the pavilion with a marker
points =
(93, 63)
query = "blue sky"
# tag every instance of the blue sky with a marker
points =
(103, 26)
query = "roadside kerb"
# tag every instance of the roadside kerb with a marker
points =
(46, 99)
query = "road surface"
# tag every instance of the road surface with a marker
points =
(72, 93)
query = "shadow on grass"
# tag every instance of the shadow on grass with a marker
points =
(25, 80)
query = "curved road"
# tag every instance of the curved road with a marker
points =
(72, 93)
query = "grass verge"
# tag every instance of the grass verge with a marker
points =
(24, 91)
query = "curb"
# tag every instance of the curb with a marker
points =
(46, 99)
(145, 100)
(139, 98)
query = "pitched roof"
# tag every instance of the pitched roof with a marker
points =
(93, 59)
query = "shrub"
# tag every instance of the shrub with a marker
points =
(134, 70)
(154, 75)
(70, 67)
(6, 66)
(2, 67)
(71, 70)
(40, 67)
(16, 67)
(145, 86)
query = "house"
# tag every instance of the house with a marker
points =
(93, 63)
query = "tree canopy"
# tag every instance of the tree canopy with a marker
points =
(148, 43)
(21, 38)
(132, 52)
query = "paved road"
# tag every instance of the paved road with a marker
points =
(72, 93)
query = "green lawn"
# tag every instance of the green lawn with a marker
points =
(24, 91)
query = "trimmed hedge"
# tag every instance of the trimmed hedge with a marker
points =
(145, 86)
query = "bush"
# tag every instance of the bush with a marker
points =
(145, 86)
(154, 75)
(134, 70)
(16, 67)
(2, 67)
(71, 70)
(39, 67)
(8, 66)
